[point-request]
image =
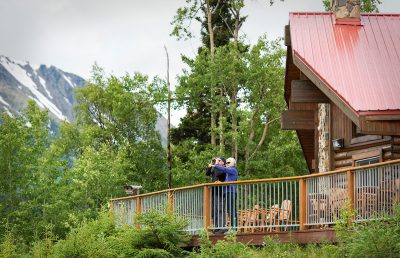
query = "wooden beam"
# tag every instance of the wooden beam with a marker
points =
(348, 111)
(287, 36)
(305, 91)
(298, 119)
(382, 117)
(379, 127)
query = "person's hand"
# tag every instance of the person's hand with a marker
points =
(210, 166)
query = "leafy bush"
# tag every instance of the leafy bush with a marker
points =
(89, 239)
(153, 253)
(161, 235)
(272, 247)
(159, 231)
(228, 247)
(378, 237)
(8, 247)
(45, 247)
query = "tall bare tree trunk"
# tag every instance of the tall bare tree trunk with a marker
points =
(212, 86)
(234, 125)
(263, 137)
(169, 160)
(250, 140)
(221, 123)
(234, 91)
(236, 31)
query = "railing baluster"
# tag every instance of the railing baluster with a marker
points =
(314, 200)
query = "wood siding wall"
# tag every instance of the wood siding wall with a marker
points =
(388, 147)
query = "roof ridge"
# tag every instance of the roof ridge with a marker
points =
(330, 13)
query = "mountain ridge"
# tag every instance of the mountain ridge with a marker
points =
(50, 87)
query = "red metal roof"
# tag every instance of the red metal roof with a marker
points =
(361, 64)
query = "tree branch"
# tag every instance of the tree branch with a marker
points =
(264, 135)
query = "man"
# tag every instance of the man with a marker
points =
(218, 214)
(216, 175)
(230, 190)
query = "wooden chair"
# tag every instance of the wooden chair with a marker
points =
(317, 209)
(276, 217)
(337, 198)
(367, 200)
(389, 194)
(242, 217)
(284, 214)
(252, 220)
(269, 217)
(257, 219)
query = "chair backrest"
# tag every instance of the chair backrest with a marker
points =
(337, 197)
(271, 213)
(285, 210)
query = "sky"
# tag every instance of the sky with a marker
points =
(124, 36)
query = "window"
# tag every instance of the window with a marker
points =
(367, 161)
(367, 158)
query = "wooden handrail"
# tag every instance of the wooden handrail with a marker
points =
(345, 170)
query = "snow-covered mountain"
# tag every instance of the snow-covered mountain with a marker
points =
(50, 87)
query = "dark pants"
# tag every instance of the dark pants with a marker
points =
(230, 204)
(218, 214)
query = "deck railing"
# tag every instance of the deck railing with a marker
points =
(277, 204)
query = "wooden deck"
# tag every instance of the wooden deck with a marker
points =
(300, 209)
(257, 239)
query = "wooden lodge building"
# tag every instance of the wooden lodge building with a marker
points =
(342, 87)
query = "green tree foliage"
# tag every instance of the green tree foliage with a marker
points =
(253, 83)
(193, 92)
(120, 113)
(23, 140)
(197, 11)
(217, 28)
(61, 180)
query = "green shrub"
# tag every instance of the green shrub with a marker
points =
(8, 247)
(153, 253)
(45, 247)
(379, 237)
(88, 240)
(228, 247)
(274, 248)
(158, 232)
(161, 235)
